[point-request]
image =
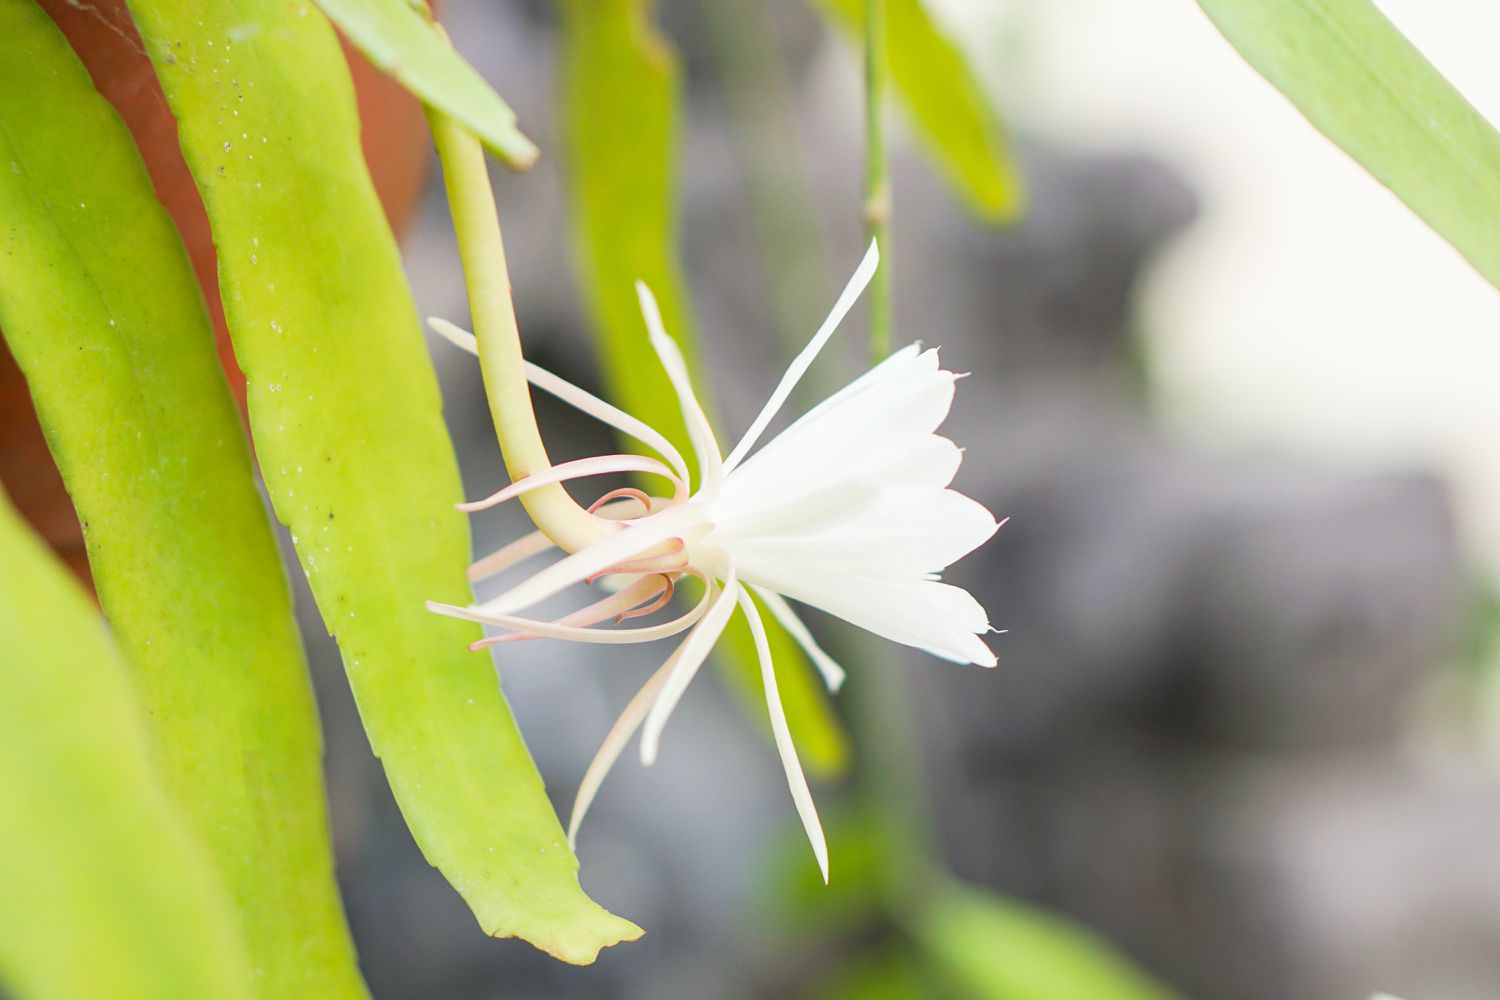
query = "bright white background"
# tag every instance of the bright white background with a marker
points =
(1307, 313)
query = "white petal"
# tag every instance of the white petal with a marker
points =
(833, 674)
(569, 393)
(506, 556)
(857, 283)
(705, 446)
(581, 468)
(633, 539)
(899, 534)
(935, 617)
(695, 649)
(886, 423)
(614, 742)
(795, 779)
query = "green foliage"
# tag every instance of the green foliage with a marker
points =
(998, 949)
(346, 418)
(102, 312)
(400, 37)
(107, 893)
(619, 115)
(957, 941)
(947, 105)
(1361, 83)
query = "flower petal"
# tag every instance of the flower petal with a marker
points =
(795, 779)
(575, 396)
(856, 285)
(935, 617)
(577, 469)
(614, 742)
(695, 650)
(833, 674)
(507, 556)
(705, 445)
(886, 423)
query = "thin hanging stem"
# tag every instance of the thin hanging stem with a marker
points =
(477, 227)
(880, 708)
(877, 207)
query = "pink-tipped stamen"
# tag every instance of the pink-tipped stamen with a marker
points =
(509, 555)
(593, 614)
(578, 469)
(672, 558)
(669, 585)
(576, 633)
(627, 491)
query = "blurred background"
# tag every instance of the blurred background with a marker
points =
(1239, 405)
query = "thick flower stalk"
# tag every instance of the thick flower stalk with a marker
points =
(847, 510)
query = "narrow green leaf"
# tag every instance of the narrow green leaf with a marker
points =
(345, 413)
(102, 312)
(1361, 83)
(947, 105)
(401, 38)
(619, 83)
(998, 949)
(106, 893)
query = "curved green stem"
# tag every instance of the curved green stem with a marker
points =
(477, 227)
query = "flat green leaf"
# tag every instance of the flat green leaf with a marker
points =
(619, 84)
(1361, 83)
(400, 38)
(106, 892)
(346, 417)
(947, 105)
(102, 312)
(999, 949)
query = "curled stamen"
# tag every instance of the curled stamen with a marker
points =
(671, 558)
(556, 630)
(627, 491)
(610, 606)
(669, 585)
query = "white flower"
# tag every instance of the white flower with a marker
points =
(847, 510)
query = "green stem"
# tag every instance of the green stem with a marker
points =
(877, 206)
(476, 225)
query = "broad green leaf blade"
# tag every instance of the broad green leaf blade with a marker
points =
(101, 310)
(106, 893)
(998, 949)
(947, 105)
(400, 38)
(347, 422)
(1362, 84)
(619, 96)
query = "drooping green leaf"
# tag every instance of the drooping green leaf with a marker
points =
(948, 106)
(619, 84)
(102, 312)
(1361, 83)
(346, 417)
(400, 37)
(106, 892)
(999, 949)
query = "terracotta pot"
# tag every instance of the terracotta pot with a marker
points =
(394, 136)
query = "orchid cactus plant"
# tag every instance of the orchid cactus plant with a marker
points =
(161, 800)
